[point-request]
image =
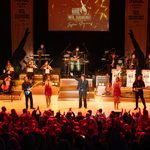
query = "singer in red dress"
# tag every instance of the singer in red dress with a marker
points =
(48, 90)
(117, 92)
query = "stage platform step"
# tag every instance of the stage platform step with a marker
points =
(14, 95)
(126, 92)
(74, 94)
(68, 89)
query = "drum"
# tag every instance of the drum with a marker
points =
(29, 69)
(71, 65)
(47, 71)
(78, 65)
(66, 55)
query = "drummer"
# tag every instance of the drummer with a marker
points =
(75, 61)
(76, 53)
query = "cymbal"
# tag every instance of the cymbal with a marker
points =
(66, 59)
(81, 52)
(69, 52)
(86, 61)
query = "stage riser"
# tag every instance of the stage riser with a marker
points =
(72, 88)
(16, 95)
(73, 82)
(74, 94)
(39, 77)
(39, 90)
(68, 89)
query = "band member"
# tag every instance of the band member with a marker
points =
(9, 69)
(76, 53)
(148, 61)
(83, 87)
(6, 86)
(46, 68)
(111, 63)
(108, 89)
(26, 87)
(48, 90)
(30, 68)
(138, 86)
(75, 61)
(113, 60)
(117, 92)
(132, 62)
(40, 51)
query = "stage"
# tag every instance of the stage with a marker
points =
(65, 95)
(63, 104)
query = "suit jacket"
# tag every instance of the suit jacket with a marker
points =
(82, 84)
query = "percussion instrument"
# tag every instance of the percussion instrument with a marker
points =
(74, 60)
(29, 69)
(47, 71)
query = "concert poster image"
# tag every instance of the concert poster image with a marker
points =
(78, 15)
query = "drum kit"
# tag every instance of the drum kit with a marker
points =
(74, 62)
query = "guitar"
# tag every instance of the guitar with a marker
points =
(140, 88)
(29, 88)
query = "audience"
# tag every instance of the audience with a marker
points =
(46, 131)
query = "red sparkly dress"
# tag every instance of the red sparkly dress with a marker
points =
(48, 89)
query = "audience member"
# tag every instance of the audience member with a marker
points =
(91, 131)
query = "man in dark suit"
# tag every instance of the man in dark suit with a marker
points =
(138, 86)
(83, 87)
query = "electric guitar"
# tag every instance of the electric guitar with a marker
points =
(29, 88)
(140, 88)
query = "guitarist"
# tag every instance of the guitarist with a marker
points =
(138, 86)
(26, 85)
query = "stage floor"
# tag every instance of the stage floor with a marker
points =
(106, 103)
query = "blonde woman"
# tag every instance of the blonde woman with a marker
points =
(48, 90)
(117, 92)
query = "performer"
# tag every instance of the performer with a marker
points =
(138, 86)
(111, 64)
(48, 90)
(132, 62)
(9, 69)
(108, 89)
(40, 51)
(113, 60)
(30, 68)
(117, 92)
(139, 54)
(76, 53)
(148, 61)
(6, 86)
(83, 87)
(75, 61)
(26, 86)
(46, 68)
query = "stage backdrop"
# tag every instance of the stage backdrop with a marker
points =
(79, 15)
(136, 18)
(22, 19)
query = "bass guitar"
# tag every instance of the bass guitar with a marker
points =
(29, 88)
